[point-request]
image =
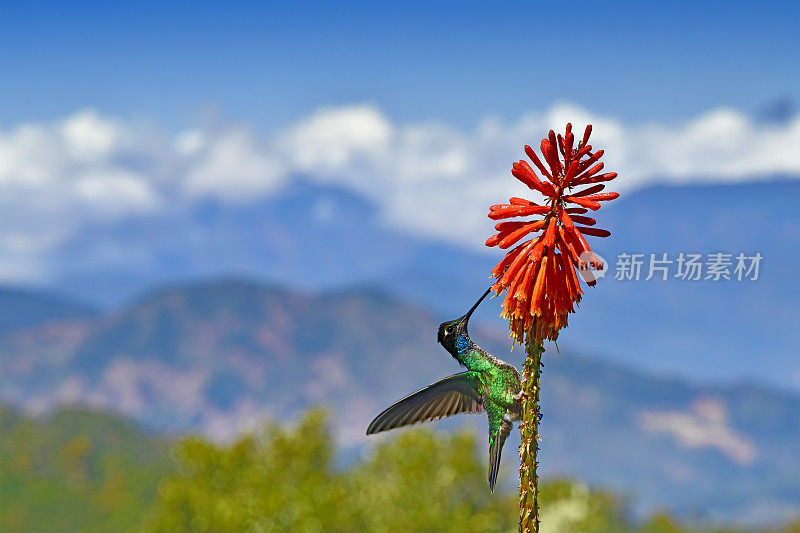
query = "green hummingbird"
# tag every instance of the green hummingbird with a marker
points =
(489, 384)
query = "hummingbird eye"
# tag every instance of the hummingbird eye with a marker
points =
(449, 330)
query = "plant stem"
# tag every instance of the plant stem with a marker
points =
(529, 431)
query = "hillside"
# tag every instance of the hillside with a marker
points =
(77, 471)
(313, 237)
(28, 307)
(222, 356)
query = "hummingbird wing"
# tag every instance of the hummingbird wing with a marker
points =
(456, 394)
(499, 430)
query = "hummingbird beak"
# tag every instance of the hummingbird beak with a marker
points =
(469, 313)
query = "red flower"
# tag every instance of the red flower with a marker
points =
(540, 273)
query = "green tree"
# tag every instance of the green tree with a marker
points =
(428, 481)
(421, 480)
(280, 481)
(284, 479)
(76, 471)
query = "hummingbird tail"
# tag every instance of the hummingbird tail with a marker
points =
(495, 451)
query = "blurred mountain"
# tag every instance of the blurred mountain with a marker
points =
(312, 237)
(27, 307)
(221, 356)
(307, 236)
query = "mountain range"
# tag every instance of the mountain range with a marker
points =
(222, 356)
(318, 238)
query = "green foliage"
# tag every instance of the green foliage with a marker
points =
(80, 471)
(568, 506)
(282, 481)
(418, 480)
(76, 471)
(427, 481)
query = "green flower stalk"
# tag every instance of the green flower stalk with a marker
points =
(529, 430)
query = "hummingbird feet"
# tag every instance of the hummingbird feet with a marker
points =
(521, 394)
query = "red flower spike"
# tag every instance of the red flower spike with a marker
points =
(541, 274)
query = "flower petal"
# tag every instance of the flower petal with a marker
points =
(595, 232)
(603, 197)
(520, 201)
(586, 133)
(525, 174)
(588, 221)
(565, 219)
(590, 190)
(608, 176)
(585, 202)
(516, 235)
(537, 162)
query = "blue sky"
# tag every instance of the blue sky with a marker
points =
(267, 64)
(110, 111)
(145, 112)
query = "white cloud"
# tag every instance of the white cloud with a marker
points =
(115, 190)
(705, 425)
(333, 138)
(231, 164)
(89, 136)
(428, 177)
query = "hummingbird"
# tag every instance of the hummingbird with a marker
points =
(489, 385)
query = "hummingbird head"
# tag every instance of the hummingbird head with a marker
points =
(455, 331)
